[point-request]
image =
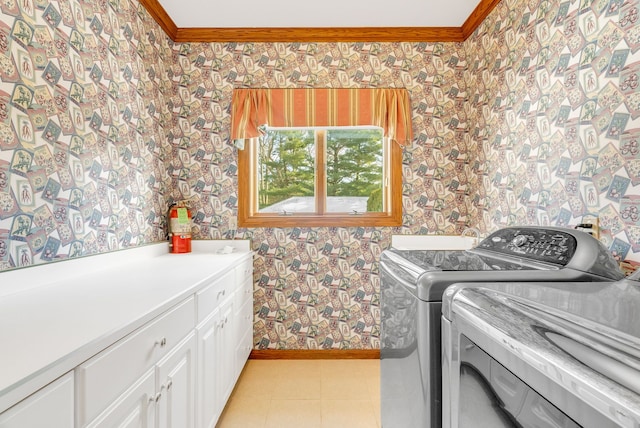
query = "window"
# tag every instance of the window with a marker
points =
(331, 176)
(320, 156)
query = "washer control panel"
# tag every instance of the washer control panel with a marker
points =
(543, 245)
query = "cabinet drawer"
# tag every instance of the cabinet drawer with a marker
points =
(243, 350)
(244, 318)
(244, 271)
(104, 377)
(212, 296)
(52, 406)
(243, 294)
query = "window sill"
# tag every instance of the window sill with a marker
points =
(364, 220)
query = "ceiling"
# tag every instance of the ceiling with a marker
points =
(318, 14)
(334, 21)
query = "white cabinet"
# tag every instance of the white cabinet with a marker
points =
(175, 383)
(243, 336)
(52, 406)
(224, 340)
(148, 354)
(215, 364)
(112, 388)
(207, 406)
(103, 378)
(243, 316)
(225, 353)
(133, 409)
(162, 397)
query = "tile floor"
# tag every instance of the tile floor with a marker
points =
(305, 393)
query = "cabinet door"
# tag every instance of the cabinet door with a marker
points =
(225, 354)
(243, 349)
(207, 403)
(52, 406)
(133, 409)
(101, 379)
(175, 380)
(243, 336)
(215, 364)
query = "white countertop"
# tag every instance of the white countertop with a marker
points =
(48, 329)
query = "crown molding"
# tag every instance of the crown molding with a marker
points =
(328, 34)
(478, 15)
(161, 16)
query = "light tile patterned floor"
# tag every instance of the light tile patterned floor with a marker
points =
(305, 393)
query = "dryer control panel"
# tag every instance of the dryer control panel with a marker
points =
(542, 245)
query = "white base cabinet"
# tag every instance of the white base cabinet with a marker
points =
(175, 370)
(163, 397)
(225, 335)
(175, 386)
(214, 365)
(208, 410)
(51, 406)
(133, 409)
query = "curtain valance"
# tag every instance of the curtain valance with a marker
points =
(387, 108)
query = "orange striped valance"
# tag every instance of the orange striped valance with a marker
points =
(387, 108)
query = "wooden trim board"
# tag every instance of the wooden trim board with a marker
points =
(478, 15)
(328, 34)
(312, 354)
(161, 16)
(319, 35)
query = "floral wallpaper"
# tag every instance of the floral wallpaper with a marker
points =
(104, 122)
(556, 110)
(81, 115)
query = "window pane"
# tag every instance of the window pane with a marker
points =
(354, 170)
(286, 169)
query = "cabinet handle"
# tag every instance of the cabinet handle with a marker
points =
(158, 395)
(162, 342)
(169, 384)
(221, 293)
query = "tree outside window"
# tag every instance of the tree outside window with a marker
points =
(320, 176)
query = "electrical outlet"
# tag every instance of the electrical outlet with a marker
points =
(590, 225)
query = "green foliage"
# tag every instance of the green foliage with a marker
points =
(286, 166)
(354, 162)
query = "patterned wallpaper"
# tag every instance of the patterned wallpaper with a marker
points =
(319, 287)
(81, 115)
(105, 122)
(556, 107)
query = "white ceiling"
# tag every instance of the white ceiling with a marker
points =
(318, 14)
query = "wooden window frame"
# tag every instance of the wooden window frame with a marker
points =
(249, 217)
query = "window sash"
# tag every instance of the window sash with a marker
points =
(249, 216)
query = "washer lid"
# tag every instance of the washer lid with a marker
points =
(448, 260)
